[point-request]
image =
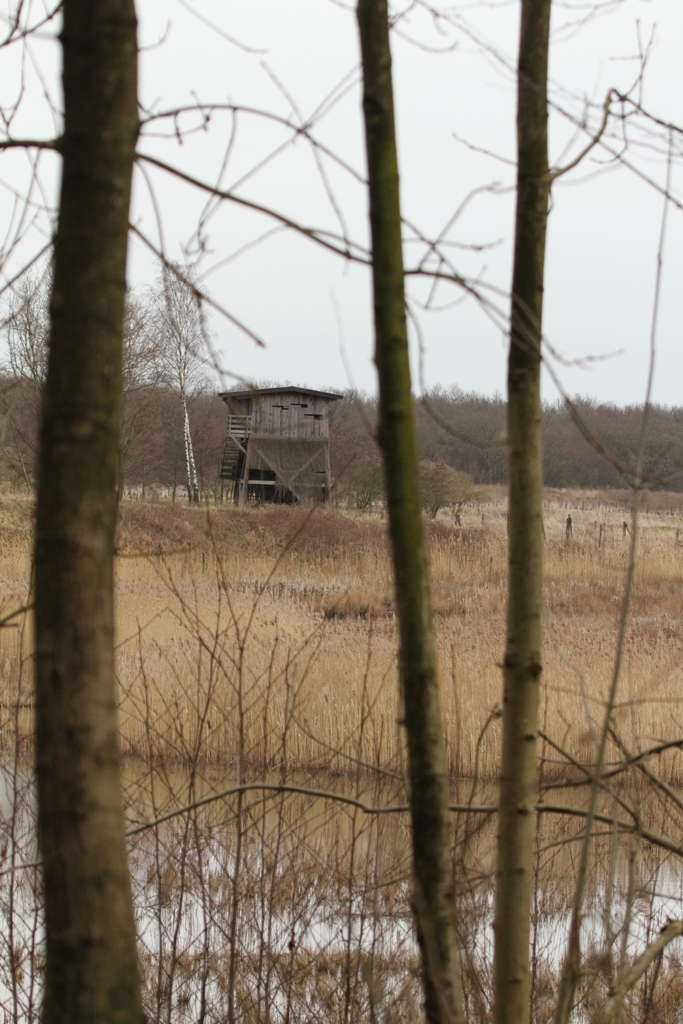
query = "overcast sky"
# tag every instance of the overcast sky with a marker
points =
(455, 96)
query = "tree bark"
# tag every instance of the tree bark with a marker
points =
(434, 899)
(522, 666)
(192, 483)
(91, 970)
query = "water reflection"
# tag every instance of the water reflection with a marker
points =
(281, 906)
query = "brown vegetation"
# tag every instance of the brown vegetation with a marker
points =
(257, 647)
(154, 457)
(568, 459)
(303, 602)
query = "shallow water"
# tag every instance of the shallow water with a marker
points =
(295, 906)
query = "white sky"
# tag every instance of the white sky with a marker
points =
(603, 230)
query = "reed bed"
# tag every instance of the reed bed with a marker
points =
(274, 617)
(257, 648)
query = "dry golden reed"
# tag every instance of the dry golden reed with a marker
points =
(258, 637)
(258, 646)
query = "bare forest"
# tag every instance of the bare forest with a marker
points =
(153, 451)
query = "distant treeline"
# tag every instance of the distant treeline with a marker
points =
(569, 460)
(152, 450)
(153, 446)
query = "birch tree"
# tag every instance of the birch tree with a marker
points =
(180, 329)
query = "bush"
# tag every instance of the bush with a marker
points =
(444, 487)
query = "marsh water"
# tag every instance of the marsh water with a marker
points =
(286, 903)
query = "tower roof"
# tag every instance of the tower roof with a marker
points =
(333, 396)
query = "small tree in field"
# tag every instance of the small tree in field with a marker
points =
(444, 487)
(364, 481)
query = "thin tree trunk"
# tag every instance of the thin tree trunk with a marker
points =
(192, 484)
(121, 479)
(522, 667)
(91, 970)
(434, 898)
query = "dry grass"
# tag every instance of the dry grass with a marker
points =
(260, 645)
(287, 617)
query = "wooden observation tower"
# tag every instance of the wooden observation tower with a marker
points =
(277, 444)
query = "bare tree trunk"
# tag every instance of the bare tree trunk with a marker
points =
(91, 970)
(121, 478)
(434, 898)
(522, 668)
(192, 484)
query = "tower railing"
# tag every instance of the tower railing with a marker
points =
(239, 426)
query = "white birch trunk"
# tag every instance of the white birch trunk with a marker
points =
(192, 482)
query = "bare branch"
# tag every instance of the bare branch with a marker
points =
(354, 252)
(53, 144)
(559, 171)
(610, 1009)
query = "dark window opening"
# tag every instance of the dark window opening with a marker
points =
(283, 496)
(313, 415)
(262, 485)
